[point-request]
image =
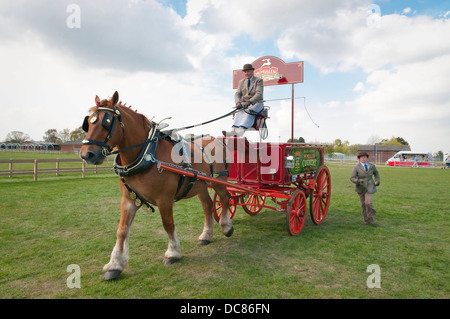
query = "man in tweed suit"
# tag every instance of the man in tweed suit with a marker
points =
(248, 99)
(362, 176)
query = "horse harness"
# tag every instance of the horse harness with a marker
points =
(147, 155)
(108, 123)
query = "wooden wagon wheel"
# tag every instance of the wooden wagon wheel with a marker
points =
(296, 212)
(319, 198)
(253, 204)
(217, 206)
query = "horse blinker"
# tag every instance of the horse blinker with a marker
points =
(107, 121)
(85, 125)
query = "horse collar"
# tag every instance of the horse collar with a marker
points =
(145, 159)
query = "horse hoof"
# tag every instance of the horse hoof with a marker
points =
(112, 274)
(171, 260)
(230, 232)
(203, 242)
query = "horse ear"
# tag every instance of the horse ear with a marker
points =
(97, 100)
(115, 98)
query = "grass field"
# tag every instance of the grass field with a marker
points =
(54, 222)
(43, 156)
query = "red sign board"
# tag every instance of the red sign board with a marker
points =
(273, 71)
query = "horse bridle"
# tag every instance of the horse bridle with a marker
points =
(108, 123)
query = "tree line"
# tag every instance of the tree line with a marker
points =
(344, 147)
(338, 146)
(50, 136)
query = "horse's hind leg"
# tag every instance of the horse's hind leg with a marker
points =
(173, 252)
(208, 229)
(120, 255)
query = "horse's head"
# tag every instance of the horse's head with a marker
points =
(100, 126)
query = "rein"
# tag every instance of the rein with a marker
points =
(147, 155)
(108, 150)
(207, 122)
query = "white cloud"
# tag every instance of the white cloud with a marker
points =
(359, 87)
(412, 101)
(407, 62)
(345, 42)
(125, 35)
(49, 90)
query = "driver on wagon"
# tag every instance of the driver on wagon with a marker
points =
(248, 99)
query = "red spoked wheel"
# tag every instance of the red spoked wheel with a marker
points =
(296, 212)
(319, 199)
(217, 206)
(252, 203)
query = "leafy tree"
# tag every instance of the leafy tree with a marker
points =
(17, 137)
(297, 140)
(402, 141)
(64, 135)
(51, 136)
(340, 147)
(439, 155)
(394, 141)
(77, 134)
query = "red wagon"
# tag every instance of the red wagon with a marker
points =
(288, 174)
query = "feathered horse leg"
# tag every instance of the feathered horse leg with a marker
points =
(120, 254)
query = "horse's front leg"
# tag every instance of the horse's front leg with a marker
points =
(173, 252)
(208, 228)
(120, 255)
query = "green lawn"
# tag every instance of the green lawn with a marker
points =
(54, 222)
(44, 165)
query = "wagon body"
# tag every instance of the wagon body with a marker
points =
(286, 173)
(272, 164)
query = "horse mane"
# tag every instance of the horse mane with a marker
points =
(123, 108)
(129, 110)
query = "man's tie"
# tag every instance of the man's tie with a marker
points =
(365, 166)
(248, 84)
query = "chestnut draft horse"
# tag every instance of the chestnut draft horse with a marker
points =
(140, 145)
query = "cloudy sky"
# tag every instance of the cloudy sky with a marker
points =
(371, 69)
